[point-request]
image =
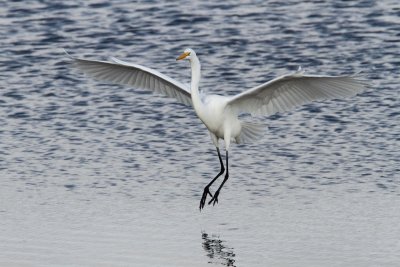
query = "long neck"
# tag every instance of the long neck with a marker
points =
(194, 86)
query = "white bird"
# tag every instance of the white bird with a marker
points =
(220, 114)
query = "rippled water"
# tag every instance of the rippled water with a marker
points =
(94, 174)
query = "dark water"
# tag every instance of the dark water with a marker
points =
(94, 174)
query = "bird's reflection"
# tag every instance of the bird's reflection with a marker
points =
(217, 251)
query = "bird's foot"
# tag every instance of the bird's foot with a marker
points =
(214, 199)
(204, 197)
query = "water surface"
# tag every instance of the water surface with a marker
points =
(94, 174)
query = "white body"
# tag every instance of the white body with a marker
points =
(221, 124)
(212, 111)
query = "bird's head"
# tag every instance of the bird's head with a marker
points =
(187, 54)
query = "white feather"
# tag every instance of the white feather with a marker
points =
(136, 76)
(289, 91)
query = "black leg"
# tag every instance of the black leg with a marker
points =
(215, 197)
(207, 188)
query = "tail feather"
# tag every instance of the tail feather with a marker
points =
(251, 132)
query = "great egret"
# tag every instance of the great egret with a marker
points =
(220, 113)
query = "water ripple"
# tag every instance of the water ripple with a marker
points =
(69, 140)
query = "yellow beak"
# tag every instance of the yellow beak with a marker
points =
(183, 55)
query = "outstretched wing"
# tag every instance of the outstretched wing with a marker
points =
(136, 76)
(289, 91)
